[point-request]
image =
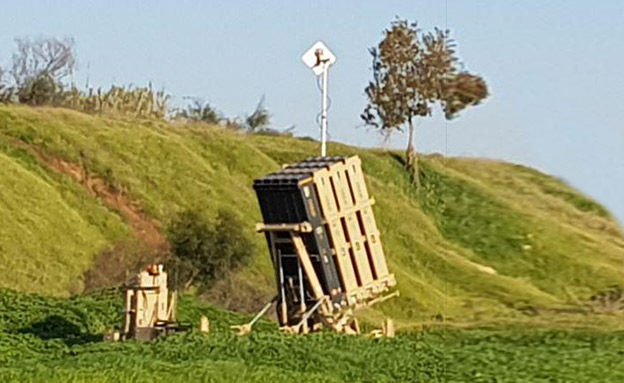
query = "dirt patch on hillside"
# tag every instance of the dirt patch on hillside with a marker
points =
(147, 230)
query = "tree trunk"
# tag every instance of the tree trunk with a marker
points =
(411, 159)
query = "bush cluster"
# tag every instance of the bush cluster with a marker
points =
(204, 251)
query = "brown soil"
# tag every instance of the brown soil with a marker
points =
(145, 229)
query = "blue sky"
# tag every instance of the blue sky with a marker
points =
(555, 69)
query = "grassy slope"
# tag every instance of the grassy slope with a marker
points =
(59, 340)
(550, 246)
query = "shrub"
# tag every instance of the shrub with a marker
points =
(204, 251)
(39, 68)
(199, 111)
(41, 90)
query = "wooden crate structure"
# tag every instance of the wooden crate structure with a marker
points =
(323, 239)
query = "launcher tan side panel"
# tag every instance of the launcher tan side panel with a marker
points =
(350, 222)
(353, 166)
(345, 265)
(373, 242)
(329, 204)
(334, 228)
(360, 192)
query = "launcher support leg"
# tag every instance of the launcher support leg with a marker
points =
(384, 298)
(343, 322)
(246, 328)
(302, 325)
(306, 263)
(282, 311)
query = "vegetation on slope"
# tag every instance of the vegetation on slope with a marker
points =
(59, 340)
(480, 241)
(50, 229)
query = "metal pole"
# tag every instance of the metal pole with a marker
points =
(312, 310)
(262, 312)
(284, 308)
(301, 290)
(324, 111)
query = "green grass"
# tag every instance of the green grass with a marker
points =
(482, 241)
(48, 235)
(58, 340)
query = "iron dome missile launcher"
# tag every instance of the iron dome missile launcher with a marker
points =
(324, 243)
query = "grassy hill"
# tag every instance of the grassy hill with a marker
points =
(481, 242)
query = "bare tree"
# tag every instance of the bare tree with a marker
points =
(40, 66)
(4, 91)
(260, 118)
(412, 72)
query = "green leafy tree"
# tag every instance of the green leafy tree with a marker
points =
(412, 72)
(204, 251)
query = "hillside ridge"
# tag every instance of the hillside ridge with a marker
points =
(481, 240)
